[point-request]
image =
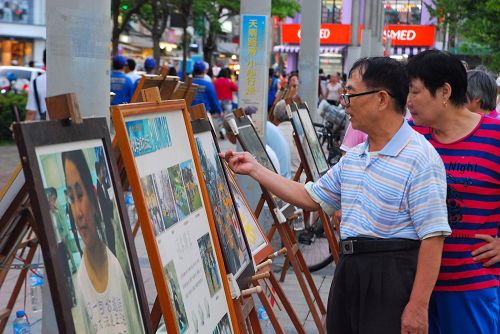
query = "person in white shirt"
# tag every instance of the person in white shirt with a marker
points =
(333, 90)
(36, 109)
(286, 128)
(131, 71)
(105, 303)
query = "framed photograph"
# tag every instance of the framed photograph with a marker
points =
(303, 143)
(257, 239)
(250, 141)
(173, 206)
(82, 226)
(312, 139)
(237, 254)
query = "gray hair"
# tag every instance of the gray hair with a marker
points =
(280, 113)
(482, 86)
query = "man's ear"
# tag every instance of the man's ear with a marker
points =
(384, 99)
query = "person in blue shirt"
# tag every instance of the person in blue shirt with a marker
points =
(121, 84)
(277, 142)
(206, 92)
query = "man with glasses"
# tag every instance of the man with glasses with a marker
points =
(392, 192)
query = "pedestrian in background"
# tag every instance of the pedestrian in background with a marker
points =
(224, 87)
(131, 70)
(481, 93)
(121, 84)
(36, 109)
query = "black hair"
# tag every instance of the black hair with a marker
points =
(271, 72)
(172, 71)
(51, 191)
(131, 64)
(224, 73)
(384, 73)
(435, 68)
(78, 159)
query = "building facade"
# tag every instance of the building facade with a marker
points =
(22, 31)
(406, 22)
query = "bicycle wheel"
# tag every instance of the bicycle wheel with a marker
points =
(314, 246)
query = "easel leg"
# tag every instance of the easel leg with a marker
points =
(19, 284)
(156, 314)
(270, 311)
(286, 303)
(284, 269)
(299, 272)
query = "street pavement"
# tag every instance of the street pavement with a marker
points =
(9, 158)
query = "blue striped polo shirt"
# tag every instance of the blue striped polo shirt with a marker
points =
(400, 193)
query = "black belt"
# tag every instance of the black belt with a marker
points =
(369, 245)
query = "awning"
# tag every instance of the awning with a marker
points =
(407, 50)
(296, 49)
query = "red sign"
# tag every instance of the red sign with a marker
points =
(401, 35)
(328, 34)
(406, 35)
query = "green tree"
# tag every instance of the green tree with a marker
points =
(185, 8)
(122, 12)
(154, 17)
(476, 21)
(482, 26)
(213, 12)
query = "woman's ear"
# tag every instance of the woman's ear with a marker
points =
(446, 92)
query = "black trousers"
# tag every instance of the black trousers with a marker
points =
(370, 291)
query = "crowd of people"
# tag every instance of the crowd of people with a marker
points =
(419, 198)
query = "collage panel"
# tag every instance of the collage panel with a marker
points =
(227, 224)
(179, 191)
(190, 182)
(223, 327)
(166, 198)
(176, 296)
(149, 189)
(161, 133)
(209, 264)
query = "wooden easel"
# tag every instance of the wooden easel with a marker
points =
(244, 305)
(333, 242)
(16, 238)
(18, 223)
(294, 254)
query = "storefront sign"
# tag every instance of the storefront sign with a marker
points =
(340, 34)
(329, 34)
(406, 35)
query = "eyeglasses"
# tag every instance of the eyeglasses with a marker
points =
(346, 98)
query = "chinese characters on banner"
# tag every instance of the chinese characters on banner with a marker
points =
(254, 66)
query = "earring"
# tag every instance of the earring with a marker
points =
(445, 104)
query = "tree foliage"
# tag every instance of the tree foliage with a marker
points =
(122, 12)
(477, 21)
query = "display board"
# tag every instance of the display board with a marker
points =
(257, 240)
(82, 227)
(250, 141)
(304, 145)
(312, 139)
(172, 203)
(237, 255)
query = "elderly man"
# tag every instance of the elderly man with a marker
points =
(481, 93)
(286, 128)
(392, 191)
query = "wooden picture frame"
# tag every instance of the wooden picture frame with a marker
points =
(146, 81)
(257, 239)
(84, 297)
(235, 249)
(186, 260)
(316, 150)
